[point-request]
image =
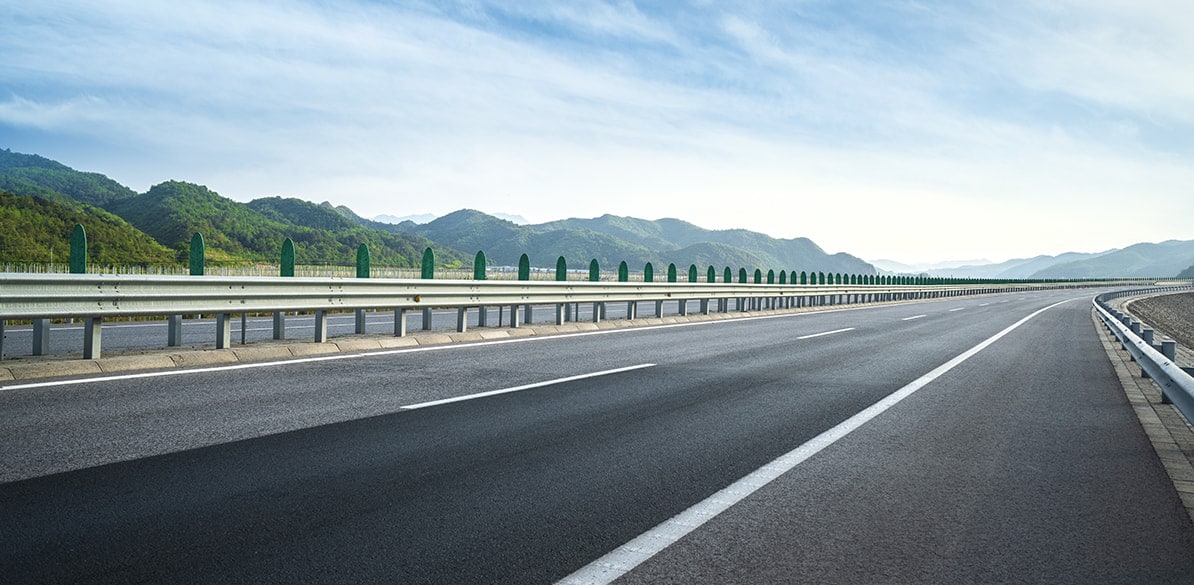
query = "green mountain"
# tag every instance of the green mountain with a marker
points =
(612, 239)
(1145, 260)
(738, 248)
(236, 232)
(29, 174)
(36, 230)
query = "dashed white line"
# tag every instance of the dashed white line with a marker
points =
(913, 317)
(525, 387)
(825, 333)
(628, 556)
(956, 309)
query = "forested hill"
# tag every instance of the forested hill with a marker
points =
(172, 211)
(612, 239)
(29, 174)
(34, 230)
(44, 199)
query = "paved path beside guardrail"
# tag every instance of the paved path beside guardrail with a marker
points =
(1171, 434)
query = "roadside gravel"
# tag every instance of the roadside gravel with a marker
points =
(1172, 315)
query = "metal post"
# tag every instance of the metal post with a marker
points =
(568, 312)
(321, 326)
(683, 307)
(461, 320)
(244, 327)
(658, 309)
(360, 328)
(41, 336)
(597, 312)
(560, 314)
(482, 316)
(223, 330)
(174, 331)
(92, 337)
(513, 315)
(1, 339)
(631, 309)
(427, 319)
(279, 325)
(527, 314)
(399, 322)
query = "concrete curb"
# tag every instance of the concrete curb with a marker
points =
(1171, 435)
(28, 368)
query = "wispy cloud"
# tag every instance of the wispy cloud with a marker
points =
(836, 121)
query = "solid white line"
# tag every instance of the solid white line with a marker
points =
(525, 387)
(628, 556)
(825, 333)
(913, 317)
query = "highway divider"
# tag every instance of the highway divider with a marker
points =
(95, 297)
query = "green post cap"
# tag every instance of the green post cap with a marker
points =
(428, 264)
(78, 250)
(480, 266)
(286, 267)
(524, 267)
(198, 254)
(363, 261)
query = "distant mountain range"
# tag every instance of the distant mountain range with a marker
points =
(41, 200)
(155, 227)
(1144, 260)
(430, 217)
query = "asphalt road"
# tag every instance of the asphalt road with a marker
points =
(1022, 464)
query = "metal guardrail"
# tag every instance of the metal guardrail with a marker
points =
(1176, 385)
(40, 297)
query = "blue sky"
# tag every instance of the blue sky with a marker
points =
(913, 131)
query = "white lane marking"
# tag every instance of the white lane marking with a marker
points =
(984, 304)
(628, 556)
(957, 309)
(525, 387)
(387, 352)
(913, 317)
(825, 333)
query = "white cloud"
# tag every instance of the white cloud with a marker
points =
(794, 122)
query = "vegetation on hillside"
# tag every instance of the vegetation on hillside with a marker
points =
(56, 178)
(233, 232)
(34, 230)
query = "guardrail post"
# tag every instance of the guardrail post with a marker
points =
(321, 326)
(428, 273)
(91, 338)
(595, 276)
(461, 320)
(514, 316)
(41, 336)
(286, 270)
(363, 269)
(481, 272)
(561, 276)
(624, 276)
(1, 339)
(399, 322)
(174, 330)
(524, 273)
(1169, 349)
(224, 330)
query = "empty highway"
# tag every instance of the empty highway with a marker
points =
(971, 440)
